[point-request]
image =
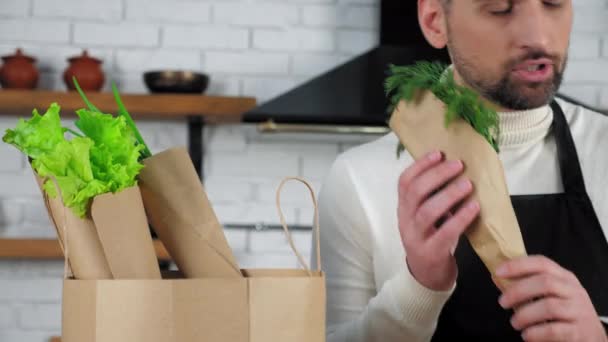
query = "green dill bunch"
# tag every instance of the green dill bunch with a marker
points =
(404, 82)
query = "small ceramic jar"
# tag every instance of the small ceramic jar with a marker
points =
(18, 71)
(87, 71)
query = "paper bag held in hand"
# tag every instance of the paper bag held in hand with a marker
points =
(495, 235)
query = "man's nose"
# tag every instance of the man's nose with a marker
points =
(532, 29)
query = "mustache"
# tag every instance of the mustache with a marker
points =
(534, 54)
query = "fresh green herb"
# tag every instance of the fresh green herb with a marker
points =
(83, 96)
(404, 82)
(122, 111)
(400, 149)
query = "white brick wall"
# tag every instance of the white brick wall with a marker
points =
(123, 34)
(108, 10)
(294, 39)
(168, 11)
(249, 62)
(586, 77)
(249, 47)
(15, 8)
(205, 37)
(34, 30)
(604, 98)
(255, 14)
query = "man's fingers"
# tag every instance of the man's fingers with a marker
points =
(421, 165)
(431, 180)
(438, 205)
(550, 331)
(541, 311)
(529, 288)
(529, 265)
(446, 237)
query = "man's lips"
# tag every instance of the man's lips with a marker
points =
(534, 70)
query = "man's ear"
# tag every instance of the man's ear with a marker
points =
(432, 20)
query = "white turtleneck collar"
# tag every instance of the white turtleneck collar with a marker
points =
(526, 127)
(522, 128)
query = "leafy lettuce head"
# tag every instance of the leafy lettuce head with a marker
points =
(105, 159)
(39, 135)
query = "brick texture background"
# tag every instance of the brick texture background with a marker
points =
(255, 48)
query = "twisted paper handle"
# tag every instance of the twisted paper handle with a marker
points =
(315, 228)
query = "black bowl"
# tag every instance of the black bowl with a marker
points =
(176, 81)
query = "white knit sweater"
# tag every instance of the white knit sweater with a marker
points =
(371, 295)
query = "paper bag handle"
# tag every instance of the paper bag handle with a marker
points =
(303, 263)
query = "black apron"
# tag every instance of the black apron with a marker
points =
(563, 227)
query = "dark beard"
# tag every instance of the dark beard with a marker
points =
(505, 92)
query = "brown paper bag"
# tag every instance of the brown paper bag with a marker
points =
(495, 235)
(182, 216)
(262, 306)
(88, 260)
(114, 243)
(122, 227)
(265, 305)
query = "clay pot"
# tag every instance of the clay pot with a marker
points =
(87, 71)
(18, 71)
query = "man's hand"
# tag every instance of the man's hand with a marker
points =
(550, 303)
(430, 190)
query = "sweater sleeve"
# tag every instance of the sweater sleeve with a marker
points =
(357, 310)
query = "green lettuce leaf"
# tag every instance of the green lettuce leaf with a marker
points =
(38, 135)
(115, 154)
(69, 164)
(122, 112)
(105, 159)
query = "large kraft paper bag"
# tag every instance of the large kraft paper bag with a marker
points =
(112, 242)
(182, 216)
(263, 305)
(495, 235)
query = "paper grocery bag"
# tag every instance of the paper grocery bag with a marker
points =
(115, 242)
(495, 235)
(88, 260)
(122, 227)
(263, 305)
(182, 216)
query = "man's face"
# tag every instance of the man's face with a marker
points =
(513, 52)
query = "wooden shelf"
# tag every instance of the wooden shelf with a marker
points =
(48, 249)
(142, 106)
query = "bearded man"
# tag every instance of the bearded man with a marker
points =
(397, 271)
